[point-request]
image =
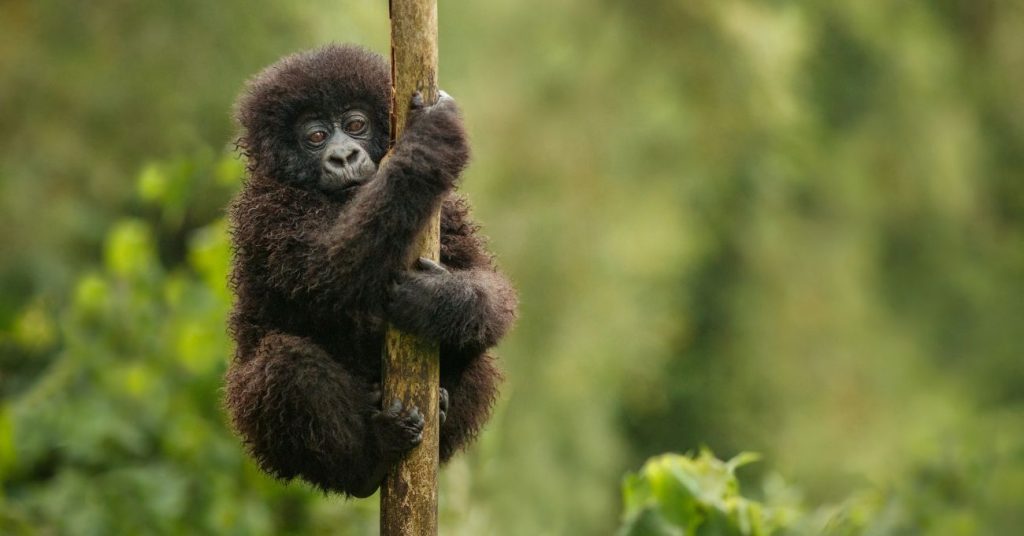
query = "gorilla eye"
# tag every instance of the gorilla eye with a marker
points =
(356, 125)
(317, 136)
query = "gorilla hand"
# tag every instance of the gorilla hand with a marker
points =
(438, 129)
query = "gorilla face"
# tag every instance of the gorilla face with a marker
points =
(340, 149)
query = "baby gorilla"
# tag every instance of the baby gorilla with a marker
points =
(322, 233)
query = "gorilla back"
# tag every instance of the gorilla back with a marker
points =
(322, 233)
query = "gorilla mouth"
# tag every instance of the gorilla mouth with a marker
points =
(347, 179)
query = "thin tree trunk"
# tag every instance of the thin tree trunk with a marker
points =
(408, 500)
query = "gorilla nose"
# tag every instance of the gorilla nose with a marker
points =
(343, 157)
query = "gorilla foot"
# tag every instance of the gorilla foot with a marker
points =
(376, 395)
(398, 428)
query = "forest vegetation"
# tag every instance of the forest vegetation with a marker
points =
(778, 227)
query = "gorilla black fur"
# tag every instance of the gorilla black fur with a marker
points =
(318, 274)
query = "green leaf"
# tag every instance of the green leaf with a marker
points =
(130, 251)
(8, 454)
(152, 183)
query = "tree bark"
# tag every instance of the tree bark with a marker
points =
(408, 497)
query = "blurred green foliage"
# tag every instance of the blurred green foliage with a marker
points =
(789, 227)
(675, 494)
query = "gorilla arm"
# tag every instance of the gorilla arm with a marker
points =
(466, 303)
(369, 243)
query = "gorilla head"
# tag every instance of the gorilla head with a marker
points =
(317, 119)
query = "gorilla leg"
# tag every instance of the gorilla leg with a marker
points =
(472, 390)
(302, 414)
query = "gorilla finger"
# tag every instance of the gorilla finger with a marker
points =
(429, 265)
(442, 398)
(445, 102)
(416, 102)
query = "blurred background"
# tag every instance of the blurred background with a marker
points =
(794, 228)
